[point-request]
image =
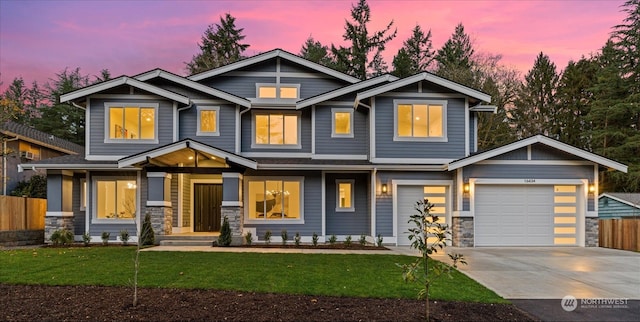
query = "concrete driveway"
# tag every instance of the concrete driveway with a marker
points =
(553, 272)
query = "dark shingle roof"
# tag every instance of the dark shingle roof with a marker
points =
(631, 198)
(11, 128)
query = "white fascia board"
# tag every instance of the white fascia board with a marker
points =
(193, 85)
(538, 139)
(345, 90)
(129, 161)
(458, 87)
(72, 167)
(269, 55)
(124, 80)
(226, 155)
(619, 200)
(484, 108)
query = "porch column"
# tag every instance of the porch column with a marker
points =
(232, 206)
(159, 202)
(59, 213)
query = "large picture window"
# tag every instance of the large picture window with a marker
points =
(275, 199)
(131, 122)
(276, 129)
(420, 120)
(208, 120)
(115, 199)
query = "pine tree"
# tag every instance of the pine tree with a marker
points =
(419, 51)
(225, 233)
(402, 64)
(220, 45)
(315, 51)
(454, 59)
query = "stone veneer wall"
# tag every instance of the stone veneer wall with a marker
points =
(462, 231)
(591, 232)
(53, 223)
(161, 219)
(234, 216)
(21, 237)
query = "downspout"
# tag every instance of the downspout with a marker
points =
(4, 164)
(178, 119)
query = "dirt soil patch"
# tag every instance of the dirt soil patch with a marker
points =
(98, 303)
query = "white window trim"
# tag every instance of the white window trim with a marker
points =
(199, 132)
(276, 146)
(333, 123)
(277, 87)
(443, 103)
(83, 194)
(94, 201)
(248, 220)
(353, 188)
(107, 126)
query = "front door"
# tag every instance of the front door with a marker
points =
(207, 201)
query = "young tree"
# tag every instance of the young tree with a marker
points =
(354, 60)
(454, 59)
(221, 45)
(419, 51)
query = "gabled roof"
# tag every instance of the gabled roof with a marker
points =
(345, 90)
(186, 144)
(537, 139)
(29, 134)
(159, 73)
(270, 55)
(424, 76)
(123, 80)
(631, 199)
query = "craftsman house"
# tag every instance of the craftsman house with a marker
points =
(277, 142)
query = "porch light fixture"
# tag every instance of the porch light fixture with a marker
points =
(384, 188)
(466, 187)
(592, 188)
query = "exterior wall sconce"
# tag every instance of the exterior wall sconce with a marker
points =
(592, 188)
(466, 188)
(384, 188)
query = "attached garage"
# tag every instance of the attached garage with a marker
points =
(526, 215)
(408, 195)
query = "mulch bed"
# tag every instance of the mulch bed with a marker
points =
(98, 303)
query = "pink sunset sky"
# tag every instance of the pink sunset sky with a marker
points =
(41, 38)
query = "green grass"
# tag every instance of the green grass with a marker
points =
(314, 274)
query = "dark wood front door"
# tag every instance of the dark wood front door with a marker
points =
(207, 200)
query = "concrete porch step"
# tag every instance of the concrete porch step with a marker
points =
(187, 240)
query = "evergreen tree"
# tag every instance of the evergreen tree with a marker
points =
(220, 46)
(225, 233)
(454, 59)
(534, 111)
(315, 51)
(419, 51)
(354, 60)
(402, 64)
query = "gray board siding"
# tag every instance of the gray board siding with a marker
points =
(97, 128)
(243, 86)
(325, 144)
(79, 216)
(386, 147)
(518, 154)
(545, 152)
(355, 222)
(506, 171)
(227, 127)
(312, 208)
(472, 132)
(180, 89)
(54, 192)
(265, 66)
(305, 136)
(616, 209)
(312, 86)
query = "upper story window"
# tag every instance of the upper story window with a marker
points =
(275, 91)
(342, 122)
(420, 120)
(131, 122)
(208, 120)
(277, 129)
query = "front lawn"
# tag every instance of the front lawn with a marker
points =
(313, 274)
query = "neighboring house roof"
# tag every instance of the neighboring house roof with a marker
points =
(537, 139)
(123, 80)
(74, 161)
(270, 55)
(345, 90)
(159, 73)
(424, 76)
(29, 134)
(631, 199)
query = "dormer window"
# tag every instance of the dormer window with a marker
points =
(278, 91)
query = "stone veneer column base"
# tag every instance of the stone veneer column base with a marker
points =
(462, 232)
(234, 215)
(161, 220)
(53, 223)
(591, 233)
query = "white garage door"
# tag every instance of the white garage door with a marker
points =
(406, 202)
(525, 215)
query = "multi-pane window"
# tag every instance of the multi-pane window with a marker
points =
(276, 129)
(131, 121)
(208, 120)
(420, 120)
(342, 122)
(275, 199)
(286, 91)
(344, 195)
(115, 199)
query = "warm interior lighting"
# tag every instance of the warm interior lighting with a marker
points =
(592, 188)
(190, 157)
(384, 188)
(466, 187)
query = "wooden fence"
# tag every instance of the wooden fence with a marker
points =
(19, 213)
(620, 233)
